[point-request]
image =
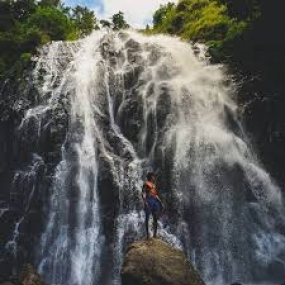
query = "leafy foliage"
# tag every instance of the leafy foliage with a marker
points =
(215, 22)
(84, 20)
(105, 24)
(27, 24)
(243, 9)
(50, 23)
(161, 14)
(119, 21)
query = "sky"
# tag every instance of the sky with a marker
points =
(137, 13)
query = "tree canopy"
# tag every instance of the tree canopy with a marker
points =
(27, 24)
(119, 21)
(84, 19)
(215, 22)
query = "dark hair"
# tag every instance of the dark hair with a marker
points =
(149, 175)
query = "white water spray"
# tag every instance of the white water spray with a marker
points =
(137, 103)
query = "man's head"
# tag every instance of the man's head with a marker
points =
(150, 177)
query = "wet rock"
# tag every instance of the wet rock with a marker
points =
(10, 281)
(30, 148)
(5, 268)
(277, 268)
(131, 76)
(29, 276)
(155, 262)
(132, 44)
(131, 109)
(8, 218)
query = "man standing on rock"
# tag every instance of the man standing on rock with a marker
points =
(152, 203)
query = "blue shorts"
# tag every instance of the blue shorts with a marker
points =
(153, 206)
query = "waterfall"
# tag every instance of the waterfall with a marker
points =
(131, 104)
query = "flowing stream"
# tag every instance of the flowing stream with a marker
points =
(133, 104)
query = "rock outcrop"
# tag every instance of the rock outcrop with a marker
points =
(30, 150)
(28, 276)
(154, 262)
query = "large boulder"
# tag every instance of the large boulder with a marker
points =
(153, 262)
(28, 276)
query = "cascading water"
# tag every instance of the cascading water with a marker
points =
(135, 103)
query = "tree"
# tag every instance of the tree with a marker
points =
(84, 20)
(22, 9)
(6, 18)
(27, 24)
(105, 24)
(161, 13)
(48, 3)
(50, 22)
(119, 21)
(243, 9)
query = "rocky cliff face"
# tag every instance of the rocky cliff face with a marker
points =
(80, 131)
(29, 151)
(154, 262)
(258, 57)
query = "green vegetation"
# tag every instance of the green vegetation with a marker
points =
(25, 25)
(119, 22)
(247, 34)
(217, 23)
(84, 20)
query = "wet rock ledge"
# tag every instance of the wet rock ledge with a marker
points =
(28, 276)
(154, 262)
